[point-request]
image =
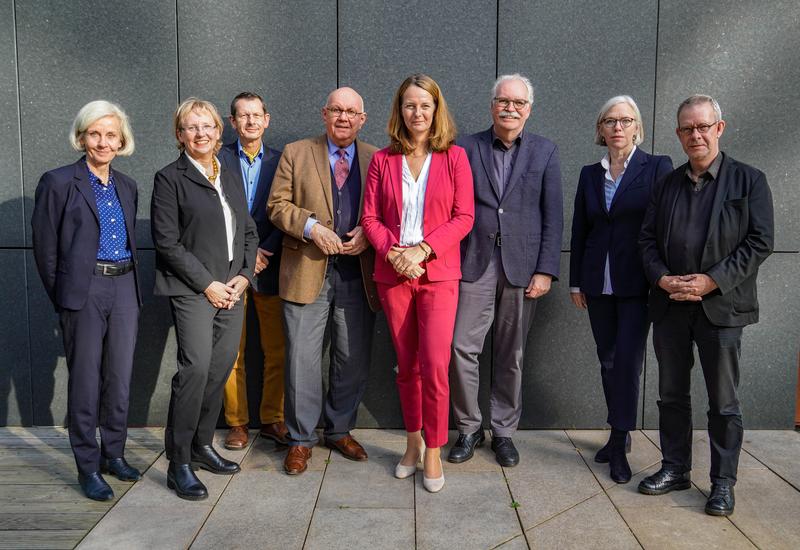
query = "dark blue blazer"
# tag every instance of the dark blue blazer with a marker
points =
(598, 231)
(270, 237)
(66, 231)
(528, 215)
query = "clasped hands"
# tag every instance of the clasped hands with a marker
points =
(406, 261)
(225, 295)
(687, 288)
(330, 243)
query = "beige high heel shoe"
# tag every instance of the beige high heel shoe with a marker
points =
(401, 471)
(434, 484)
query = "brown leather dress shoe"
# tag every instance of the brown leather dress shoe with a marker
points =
(348, 446)
(236, 440)
(277, 431)
(296, 461)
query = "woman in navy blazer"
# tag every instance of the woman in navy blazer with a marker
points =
(606, 274)
(84, 243)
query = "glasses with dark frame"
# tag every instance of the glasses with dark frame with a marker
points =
(505, 103)
(610, 123)
(687, 131)
(336, 112)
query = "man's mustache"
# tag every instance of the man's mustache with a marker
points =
(509, 114)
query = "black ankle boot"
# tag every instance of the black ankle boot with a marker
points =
(618, 462)
(181, 478)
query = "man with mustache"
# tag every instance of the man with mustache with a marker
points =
(508, 261)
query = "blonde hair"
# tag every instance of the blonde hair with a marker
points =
(443, 128)
(638, 137)
(198, 106)
(91, 113)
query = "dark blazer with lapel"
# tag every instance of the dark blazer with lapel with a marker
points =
(269, 236)
(66, 231)
(528, 216)
(740, 237)
(598, 232)
(188, 229)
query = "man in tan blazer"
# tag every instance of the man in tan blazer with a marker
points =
(326, 273)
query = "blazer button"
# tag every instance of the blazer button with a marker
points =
(329, 222)
(499, 210)
(491, 235)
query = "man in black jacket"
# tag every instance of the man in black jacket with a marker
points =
(708, 228)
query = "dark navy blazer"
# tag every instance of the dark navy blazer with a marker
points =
(598, 231)
(528, 215)
(66, 231)
(269, 236)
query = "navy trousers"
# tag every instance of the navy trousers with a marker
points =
(620, 328)
(99, 341)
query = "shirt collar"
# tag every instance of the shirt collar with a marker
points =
(243, 154)
(712, 172)
(349, 151)
(203, 170)
(94, 178)
(497, 141)
(607, 165)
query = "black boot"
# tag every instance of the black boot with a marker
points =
(601, 457)
(181, 478)
(618, 462)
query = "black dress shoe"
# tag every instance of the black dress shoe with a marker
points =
(181, 478)
(664, 481)
(464, 447)
(95, 487)
(619, 468)
(720, 501)
(602, 457)
(120, 469)
(207, 458)
(504, 451)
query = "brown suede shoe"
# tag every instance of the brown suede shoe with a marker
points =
(296, 461)
(236, 440)
(349, 447)
(276, 431)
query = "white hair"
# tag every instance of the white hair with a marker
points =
(638, 137)
(515, 76)
(91, 113)
(697, 99)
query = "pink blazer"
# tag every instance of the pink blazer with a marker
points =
(448, 216)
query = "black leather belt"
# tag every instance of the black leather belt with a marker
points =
(113, 269)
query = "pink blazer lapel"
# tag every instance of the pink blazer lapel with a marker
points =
(396, 181)
(435, 177)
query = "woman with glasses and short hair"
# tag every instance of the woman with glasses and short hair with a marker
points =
(606, 274)
(205, 243)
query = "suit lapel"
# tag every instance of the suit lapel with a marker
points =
(363, 166)
(264, 179)
(719, 197)
(192, 172)
(228, 182)
(435, 177)
(125, 202)
(395, 162)
(85, 187)
(635, 167)
(319, 151)
(487, 159)
(520, 164)
(599, 185)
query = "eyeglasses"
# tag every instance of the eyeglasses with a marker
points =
(504, 102)
(687, 131)
(612, 122)
(205, 129)
(252, 116)
(336, 112)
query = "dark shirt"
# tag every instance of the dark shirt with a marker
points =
(690, 220)
(113, 243)
(345, 217)
(504, 158)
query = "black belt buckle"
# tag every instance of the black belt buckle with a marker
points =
(111, 269)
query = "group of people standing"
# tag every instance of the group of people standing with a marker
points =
(449, 237)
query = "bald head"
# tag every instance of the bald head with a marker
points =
(343, 115)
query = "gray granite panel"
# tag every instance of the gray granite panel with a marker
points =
(73, 52)
(745, 55)
(768, 366)
(15, 375)
(12, 232)
(578, 55)
(561, 385)
(381, 43)
(284, 51)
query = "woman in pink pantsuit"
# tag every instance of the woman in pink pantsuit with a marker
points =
(418, 205)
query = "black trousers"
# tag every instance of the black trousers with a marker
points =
(99, 341)
(719, 349)
(208, 341)
(619, 326)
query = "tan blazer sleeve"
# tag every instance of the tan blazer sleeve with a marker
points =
(283, 201)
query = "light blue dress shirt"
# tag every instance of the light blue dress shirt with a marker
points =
(250, 173)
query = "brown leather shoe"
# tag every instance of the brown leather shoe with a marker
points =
(296, 461)
(348, 446)
(277, 431)
(236, 440)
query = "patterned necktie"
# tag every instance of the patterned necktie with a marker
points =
(341, 170)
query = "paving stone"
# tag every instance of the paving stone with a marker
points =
(628, 495)
(594, 523)
(517, 543)
(19, 521)
(682, 527)
(265, 454)
(369, 484)
(373, 435)
(701, 454)
(262, 509)
(643, 453)
(50, 540)
(348, 528)
(473, 510)
(767, 509)
(550, 478)
(482, 461)
(778, 450)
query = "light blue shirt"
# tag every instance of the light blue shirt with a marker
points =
(333, 156)
(250, 173)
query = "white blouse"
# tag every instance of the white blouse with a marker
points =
(413, 203)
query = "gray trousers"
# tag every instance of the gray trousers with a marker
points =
(345, 304)
(490, 299)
